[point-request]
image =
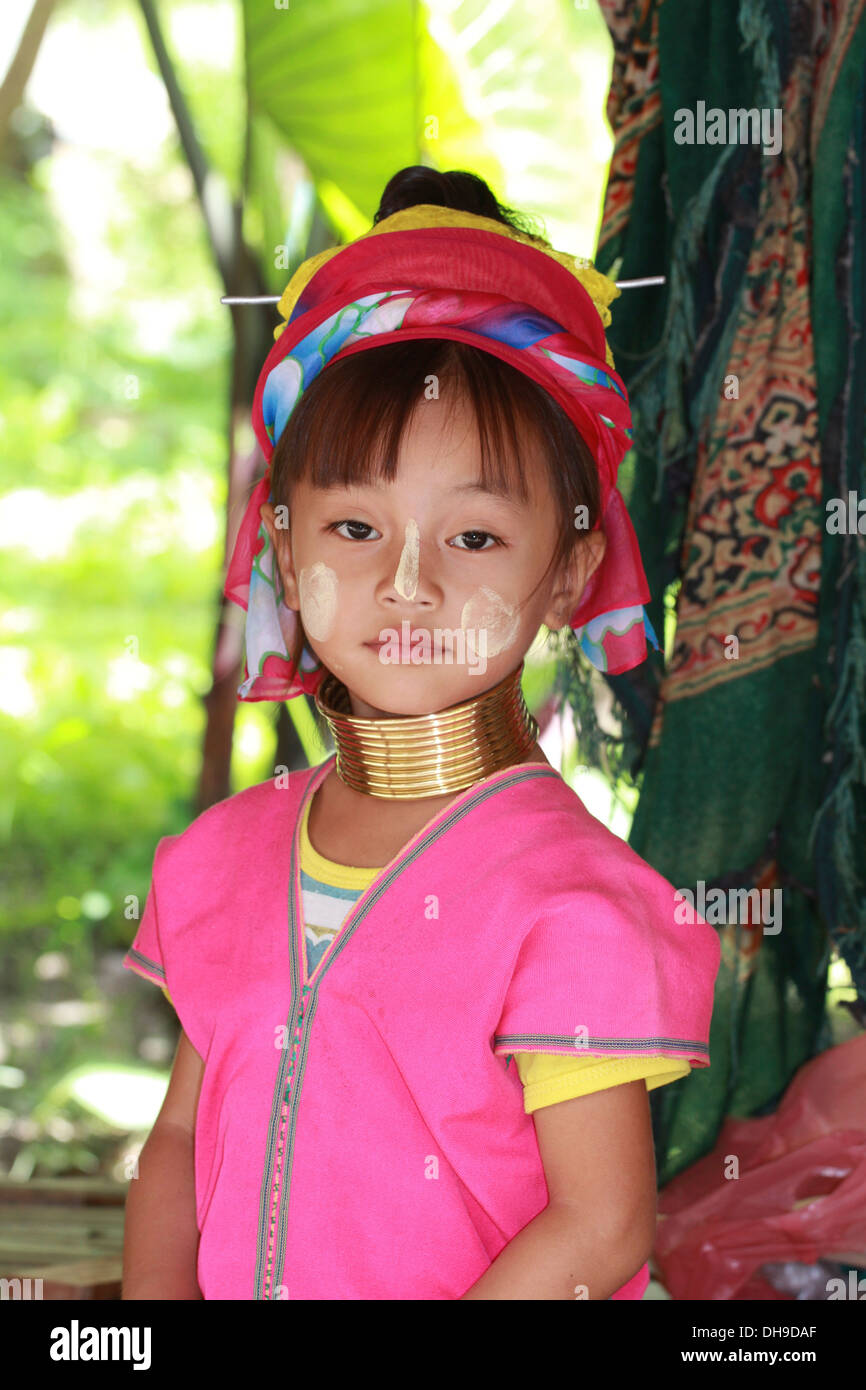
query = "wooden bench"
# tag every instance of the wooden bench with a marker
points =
(66, 1232)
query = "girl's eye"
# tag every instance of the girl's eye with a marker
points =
(335, 526)
(363, 526)
(473, 534)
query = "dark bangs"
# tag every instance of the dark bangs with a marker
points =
(347, 426)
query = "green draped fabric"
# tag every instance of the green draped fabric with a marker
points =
(746, 377)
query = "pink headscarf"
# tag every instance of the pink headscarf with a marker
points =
(436, 273)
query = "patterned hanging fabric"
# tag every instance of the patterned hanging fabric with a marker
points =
(746, 375)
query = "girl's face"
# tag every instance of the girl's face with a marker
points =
(431, 550)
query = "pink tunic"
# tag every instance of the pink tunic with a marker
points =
(336, 1157)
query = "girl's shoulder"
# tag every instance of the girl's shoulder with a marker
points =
(574, 862)
(245, 822)
(558, 817)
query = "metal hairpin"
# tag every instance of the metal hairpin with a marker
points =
(275, 298)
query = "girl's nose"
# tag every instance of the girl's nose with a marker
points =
(406, 582)
(406, 578)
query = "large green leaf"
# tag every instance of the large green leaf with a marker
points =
(359, 89)
(516, 93)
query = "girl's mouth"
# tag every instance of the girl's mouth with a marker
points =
(404, 641)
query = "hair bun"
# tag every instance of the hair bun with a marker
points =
(456, 189)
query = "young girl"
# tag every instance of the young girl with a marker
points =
(423, 992)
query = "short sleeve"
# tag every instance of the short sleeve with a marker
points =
(145, 955)
(167, 947)
(610, 971)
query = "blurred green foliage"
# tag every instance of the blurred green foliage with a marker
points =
(112, 467)
(110, 444)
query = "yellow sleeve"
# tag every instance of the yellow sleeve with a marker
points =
(167, 995)
(550, 1077)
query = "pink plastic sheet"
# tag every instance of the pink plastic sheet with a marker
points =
(787, 1188)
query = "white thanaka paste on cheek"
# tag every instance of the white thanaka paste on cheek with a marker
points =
(406, 578)
(317, 589)
(488, 610)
